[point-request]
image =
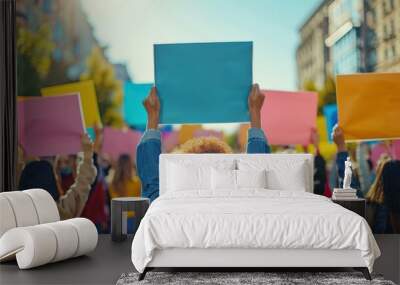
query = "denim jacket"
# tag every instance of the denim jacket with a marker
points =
(149, 149)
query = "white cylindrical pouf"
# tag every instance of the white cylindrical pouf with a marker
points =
(23, 208)
(7, 218)
(67, 239)
(45, 205)
(34, 246)
(87, 235)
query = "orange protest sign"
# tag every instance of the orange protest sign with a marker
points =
(369, 106)
(187, 132)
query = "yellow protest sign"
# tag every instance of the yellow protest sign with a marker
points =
(326, 149)
(88, 98)
(321, 128)
(369, 106)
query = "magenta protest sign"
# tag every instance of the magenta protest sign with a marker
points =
(170, 140)
(117, 142)
(289, 117)
(208, 133)
(49, 126)
(391, 149)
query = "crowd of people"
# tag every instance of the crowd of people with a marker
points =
(84, 184)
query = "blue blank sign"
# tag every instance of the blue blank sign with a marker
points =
(330, 112)
(133, 110)
(203, 82)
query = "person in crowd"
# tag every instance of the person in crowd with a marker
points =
(204, 145)
(391, 189)
(149, 148)
(377, 213)
(383, 197)
(125, 182)
(366, 172)
(96, 207)
(332, 175)
(321, 185)
(65, 169)
(41, 174)
(341, 156)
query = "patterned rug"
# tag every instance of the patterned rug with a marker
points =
(242, 278)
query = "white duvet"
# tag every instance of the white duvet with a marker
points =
(253, 218)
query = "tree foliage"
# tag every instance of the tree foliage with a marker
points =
(37, 65)
(309, 85)
(37, 47)
(108, 88)
(34, 51)
(326, 94)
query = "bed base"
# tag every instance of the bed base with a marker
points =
(363, 270)
(239, 260)
(143, 274)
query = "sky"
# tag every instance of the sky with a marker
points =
(130, 28)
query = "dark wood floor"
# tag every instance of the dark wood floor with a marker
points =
(110, 260)
(103, 266)
(389, 262)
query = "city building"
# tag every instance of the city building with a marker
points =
(387, 21)
(312, 54)
(351, 37)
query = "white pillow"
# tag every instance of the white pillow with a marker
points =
(281, 174)
(251, 178)
(291, 181)
(235, 179)
(183, 177)
(223, 179)
(193, 174)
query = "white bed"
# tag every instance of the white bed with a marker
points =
(198, 223)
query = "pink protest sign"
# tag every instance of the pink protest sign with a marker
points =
(396, 149)
(49, 126)
(391, 149)
(288, 117)
(208, 133)
(376, 152)
(170, 140)
(117, 142)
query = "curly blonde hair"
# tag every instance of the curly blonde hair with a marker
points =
(204, 145)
